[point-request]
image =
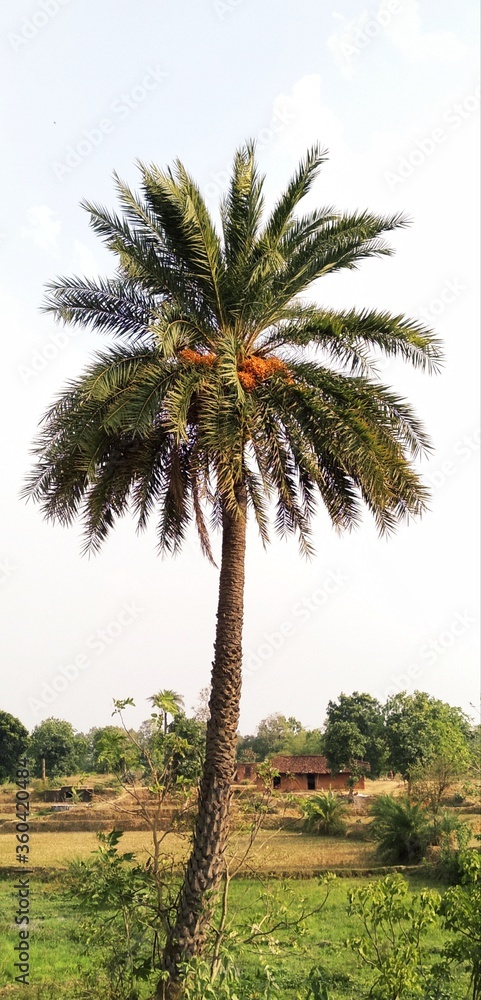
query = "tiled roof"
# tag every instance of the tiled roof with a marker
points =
(314, 764)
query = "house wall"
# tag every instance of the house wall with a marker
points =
(298, 782)
(245, 772)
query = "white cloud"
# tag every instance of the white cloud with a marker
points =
(399, 21)
(348, 40)
(312, 119)
(406, 32)
(44, 229)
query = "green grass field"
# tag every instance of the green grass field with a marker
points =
(62, 968)
(57, 957)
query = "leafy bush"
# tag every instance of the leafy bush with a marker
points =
(391, 947)
(461, 913)
(120, 897)
(401, 828)
(324, 814)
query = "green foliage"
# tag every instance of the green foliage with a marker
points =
(324, 814)
(278, 734)
(401, 828)
(72, 968)
(461, 914)
(197, 982)
(213, 378)
(344, 745)
(187, 748)
(114, 750)
(56, 742)
(365, 713)
(273, 735)
(317, 985)
(392, 944)
(169, 703)
(117, 898)
(429, 782)
(453, 837)
(448, 828)
(13, 743)
(420, 728)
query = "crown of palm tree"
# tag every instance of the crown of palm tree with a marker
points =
(222, 374)
(168, 701)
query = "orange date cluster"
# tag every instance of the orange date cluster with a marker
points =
(251, 372)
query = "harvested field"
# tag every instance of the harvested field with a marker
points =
(274, 853)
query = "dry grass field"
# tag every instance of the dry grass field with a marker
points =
(58, 837)
(276, 853)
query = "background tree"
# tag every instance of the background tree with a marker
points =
(201, 709)
(169, 703)
(115, 751)
(84, 752)
(430, 782)
(366, 714)
(274, 735)
(54, 740)
(307, 741)
(278, 735)
(182, 747)
(188, 764)
(420, 727)
(13, 742)
(475, 751)
(344, 746)
(227, 387)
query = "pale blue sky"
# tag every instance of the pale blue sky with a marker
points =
(392, 89)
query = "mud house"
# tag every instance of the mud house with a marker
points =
(68, 794)
(300, 774)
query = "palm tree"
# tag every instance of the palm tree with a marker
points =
(225, 390)
(324, 814)
(169, 703)
(401, 828)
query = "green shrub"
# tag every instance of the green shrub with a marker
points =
(401, 828)
(324, 814)
(461, 913)
(392, 945)
(448, 830)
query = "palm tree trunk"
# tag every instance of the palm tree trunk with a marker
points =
(204, 868)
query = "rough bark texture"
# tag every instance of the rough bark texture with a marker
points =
(204, 868)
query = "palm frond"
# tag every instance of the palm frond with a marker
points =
(222, 375)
